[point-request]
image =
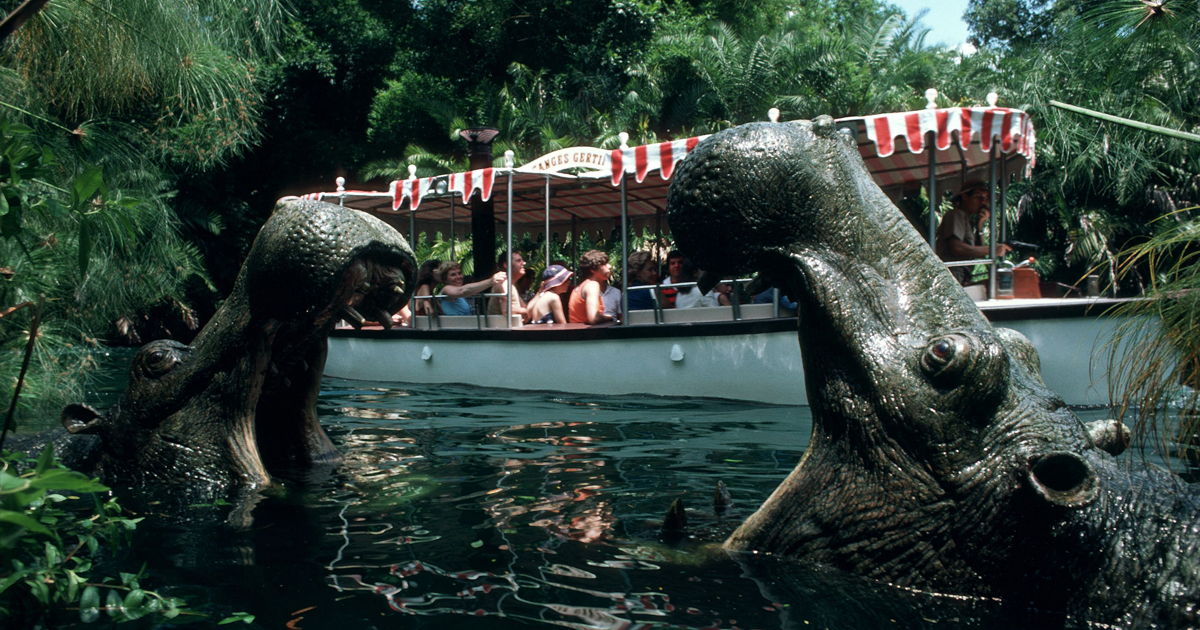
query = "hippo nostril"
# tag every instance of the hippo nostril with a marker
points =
(1064, 479)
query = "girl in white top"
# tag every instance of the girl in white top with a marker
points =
(546, 307)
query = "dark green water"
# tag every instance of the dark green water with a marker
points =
(463, 507)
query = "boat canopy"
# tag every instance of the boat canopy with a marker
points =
(576, 187)
(898, 153)
(566, 189)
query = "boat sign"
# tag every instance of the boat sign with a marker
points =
(589, 158)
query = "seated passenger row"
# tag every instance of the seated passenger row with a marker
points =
(594, 300)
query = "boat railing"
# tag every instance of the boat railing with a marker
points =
(968, 263)
(738, 310)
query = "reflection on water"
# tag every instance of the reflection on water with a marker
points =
(466, 507)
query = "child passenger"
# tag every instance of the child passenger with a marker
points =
(546, 307)
(586, 305)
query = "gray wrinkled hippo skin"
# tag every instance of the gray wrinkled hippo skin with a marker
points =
(241, 400)
(939, 460)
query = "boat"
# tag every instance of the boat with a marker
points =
(743, 352)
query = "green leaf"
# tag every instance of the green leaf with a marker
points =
(73, 582)
(236, 617)
(68, 480)
(40, 590)
(86, 185)
(89, 604)
(112, 603)
(45, 460)
(3, 203)
(16, 576)
(134, 598)
(10, 483)
(90, 598)
(23, 520)
(54, 555)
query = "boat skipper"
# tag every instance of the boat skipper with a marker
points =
(958, 235)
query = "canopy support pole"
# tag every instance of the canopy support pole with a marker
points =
(931, 188)
(546, 235)
(575, 246)
(624, 254)
(1003, 204)
(452, 227)
(512, 280)
(992, 224)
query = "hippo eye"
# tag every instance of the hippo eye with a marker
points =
(159, 361)
(945, 360)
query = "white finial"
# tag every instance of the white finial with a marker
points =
(412, 171)
(931, 99)
(773, 114)
(341, 184)
(509, 158)
(624, 138)
(992, 99)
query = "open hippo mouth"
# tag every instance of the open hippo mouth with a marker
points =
(241, 400)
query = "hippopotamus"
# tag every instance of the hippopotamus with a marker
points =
(241, 399)
(939, 460)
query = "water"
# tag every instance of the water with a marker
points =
(466, 507)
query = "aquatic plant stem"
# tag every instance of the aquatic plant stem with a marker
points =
(12, 405)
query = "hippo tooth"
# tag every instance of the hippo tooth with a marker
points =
(721, 498)
(354, 317)
(675, 521)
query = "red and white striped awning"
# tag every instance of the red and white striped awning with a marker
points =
(590, 195)
(894, 145)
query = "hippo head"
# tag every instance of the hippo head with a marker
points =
(935, 443)
(242, 398)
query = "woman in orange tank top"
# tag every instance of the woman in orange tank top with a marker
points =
(586, 304)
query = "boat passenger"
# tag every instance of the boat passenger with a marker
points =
(612, 299)
(496, 305)
(546, 307)
(958, 236)
(644, 270)
(586, 305)
(402, 317)
(681, 270)
(768, 297)
(456, 302)
(426, 280)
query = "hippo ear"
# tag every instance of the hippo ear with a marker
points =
(1021, 348)
(80, 418)
(1064, 479)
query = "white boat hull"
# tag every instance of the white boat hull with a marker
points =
(714, 360)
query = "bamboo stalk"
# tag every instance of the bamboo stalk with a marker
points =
(1166, 131)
